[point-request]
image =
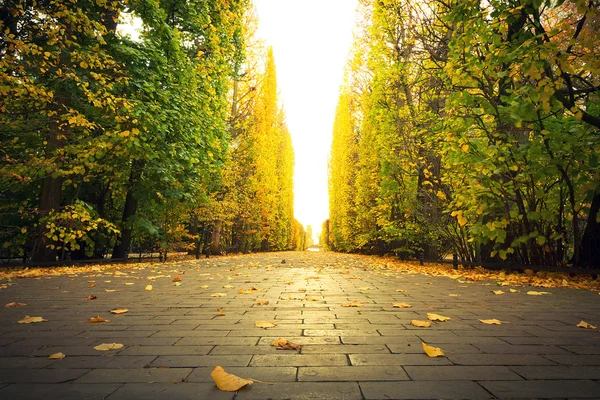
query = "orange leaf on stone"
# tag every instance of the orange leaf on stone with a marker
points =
(176, 279)
(220, 312)
(98, 319)
(585, 325)
(31, 320)
(14, 304)
(91, 297)
(432, 351)
(262, 302)
(498, 292)
(284, 344)
(228, 382)
(218, 294)
(108, 346)
(534, 293)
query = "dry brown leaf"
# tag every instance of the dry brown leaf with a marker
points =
(220, 312)
(420, 324)
(119, 311)
(98, 319)
(228, 382)
(497, 292)
(31, 320)
(284, 344)
(56, 356)
(218, 294)
(585, 325)
(148, 287)
(401, 305)
(491, 321)
(432, 351)
(437, 317)
(262, 302)
(108, 346)
(265, 324)
(91, 297)
(92, 285)
(534, 293)
(289, 282)
(355, 303)
(14, 304)
(176, 279)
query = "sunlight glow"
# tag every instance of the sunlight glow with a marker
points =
(311, 40)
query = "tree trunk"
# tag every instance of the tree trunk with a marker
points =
(131, 203)
(589, 255)
(215, 241)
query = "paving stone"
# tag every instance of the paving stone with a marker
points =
(101, 361)
(298, 360)
(460, 372)
(543, 389)
(24, 362)
(520, 349)
(139, 375)
(302, 391)
(572, 359)
(498, 359)
(415, 347)
(201, 361)
(396, 359)
(557, 372)
(247, 350)
(303, 340)
(340, 332)
(162, 391)
(423, 390)
(265, 374)
(345, 349)
(351, 373)
(40, 375)
(165, 350)
(38, 391)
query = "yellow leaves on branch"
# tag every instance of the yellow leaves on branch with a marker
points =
(437, 317)
(265, 324)
(228, 382)
(284, 344)
(108, 346)
(31, 320)
(401, 305)
(490, 321)
(420, 324)
(432, 351)
(119, 311)
(585, 325)
(354, 303)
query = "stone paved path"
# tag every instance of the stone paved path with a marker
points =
(173, 337)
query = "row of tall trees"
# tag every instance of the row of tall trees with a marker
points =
(111, 142)
(470, 127)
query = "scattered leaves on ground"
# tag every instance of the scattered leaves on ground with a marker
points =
(56, 356)
(432, 351)
(31, 320)
(437, 317)
(108, 346)
(585, 325)
(228, 382)
(284, 344)
(420, 324)
(249, 291)
(265, 324)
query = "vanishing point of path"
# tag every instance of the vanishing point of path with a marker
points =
(173, 335)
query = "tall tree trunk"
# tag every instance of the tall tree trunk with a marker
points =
(589, 255)
(215, 241)
(131, 203)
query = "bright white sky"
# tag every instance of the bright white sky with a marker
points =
(311, 40)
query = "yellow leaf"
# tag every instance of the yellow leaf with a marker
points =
(31, 320)
(228, 382)
(220, 312)
(83, 65)
(401, 305)
(56, 356)
(108, 346)
(585, 325)
(420, 324)
(284, 344)
(432, 351)
(110, 290)
(437, 317)
(454, 295)
(401, 290)
(355, 303)
(228, 287)
(119, 311)
(262, 302)
(176, 279)
(534, 293)
(490, 321)
(204, 287)
(218, 294)
(265, 324)
(98, 319)
(148, 287)
(514, 290)
(129, 284)
(498, 292)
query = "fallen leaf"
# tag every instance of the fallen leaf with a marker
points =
(228, 287)
(56, 356)
(220, 312)
(432, 351)
(514, 290)
(176, 279)
(119, 310)
(108, 346)
(437, 317)
(497, 292)
(365, 288)
(177, 284)
(91, 297)
(98, 319)
(585, 325)
(92, 285)
(249, 291)
(401, 290)
(311, 298)
(31, 320)
(302, 289)
(228, 382)
(111, 290)
(534, 293)
(289, 282)
(129, 283)
(262, 302)
(218, 294)
(420, 324)
(148, 287)
(454, 295)
(355, 303)
(204, 287)
(14, 304)
(265, 324)
(401, 305)
(491, 321)
(284, 344)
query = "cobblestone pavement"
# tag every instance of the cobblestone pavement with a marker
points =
(173, 336)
